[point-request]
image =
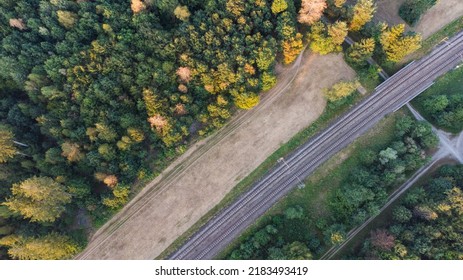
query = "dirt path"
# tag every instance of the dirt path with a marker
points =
(441, 14)
(195, 183)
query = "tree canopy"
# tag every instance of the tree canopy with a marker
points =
(39, 198)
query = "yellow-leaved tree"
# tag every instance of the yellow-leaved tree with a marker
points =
(321, 42)
(52, 246)
(292, 48)
(362, 50)
(182, 13)
(235, 7)
(279, 6)
(119, 198)
(341, 90)
(71, 151)
(7, 148)
(66, 18)
(338, 32)
(339, 3)
(39, 198)
(396, 45)
(246, 101)
(363, 12)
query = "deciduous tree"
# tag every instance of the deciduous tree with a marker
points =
(279, 6)
(71, 151)
(137, 6)
(39, 198)
(52, 246)
(396, 44)
(341, 90)
(246, 101)
(182, 13)
(339, 3)
(184, 74)
(311, 11)
(320, 41)
(17, 23)
(292, 48)
(338, 32)
(235, 7)
(361, 51)
(7, 150)
(297, 251)
(362, 13)
(382, 239)
(118, 199)
(66, 18)
(268, 81)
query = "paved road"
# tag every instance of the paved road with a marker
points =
(388, 97)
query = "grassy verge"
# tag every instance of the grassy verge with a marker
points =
(299, 139)
(313, 197)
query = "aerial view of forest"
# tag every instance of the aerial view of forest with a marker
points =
(100, 92)
(99, 97)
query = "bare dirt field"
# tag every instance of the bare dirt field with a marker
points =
(441, 14)
(196, 182)
(444, 12)
(388, 11)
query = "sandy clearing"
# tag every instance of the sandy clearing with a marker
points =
(167, 208)
(441, 14)
(444, 12)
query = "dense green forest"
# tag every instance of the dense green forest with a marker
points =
(427, 223)
(294, 234)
